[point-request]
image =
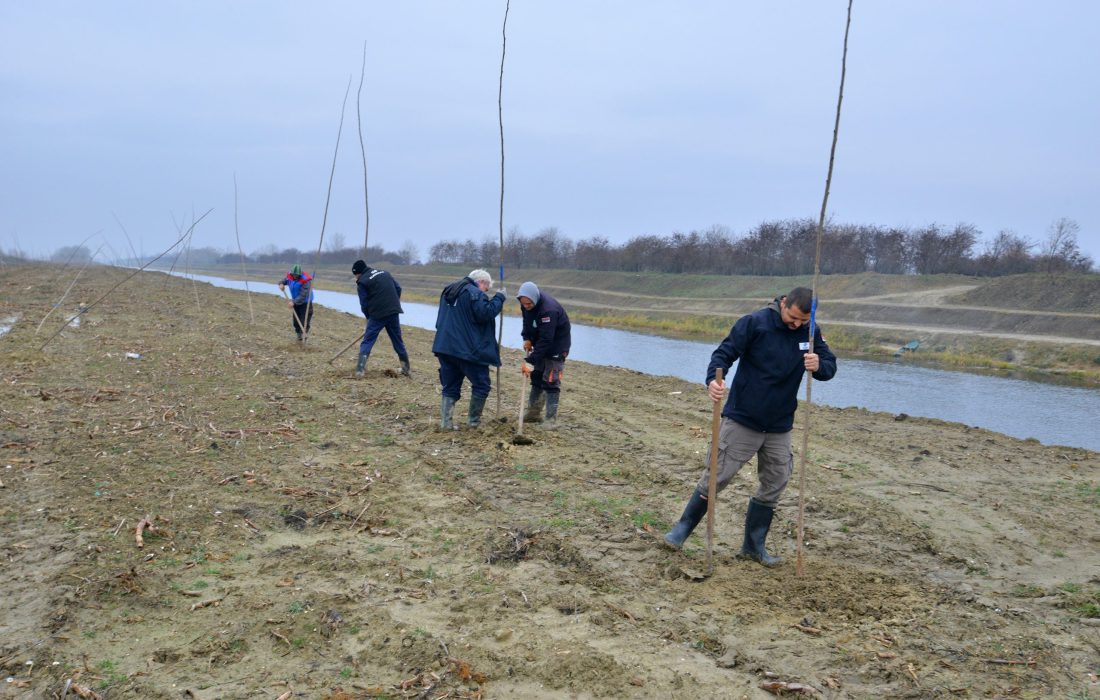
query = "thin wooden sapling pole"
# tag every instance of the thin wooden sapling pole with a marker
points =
(807, 413)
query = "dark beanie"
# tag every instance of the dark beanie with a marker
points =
(358, 267)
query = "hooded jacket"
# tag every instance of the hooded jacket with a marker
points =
(464, 323)
(379, 294)
(301, 289)
(546, 325)
(764, 393)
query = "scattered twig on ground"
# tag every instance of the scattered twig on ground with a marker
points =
(146, 522)
(85, 692)
(622, 611)
(213, 602)
(282, 637)
(120, 524)
(356, 521)
(780, 687)
(1010, 662)
(807, 629)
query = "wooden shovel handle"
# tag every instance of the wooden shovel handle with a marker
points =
(712, 486)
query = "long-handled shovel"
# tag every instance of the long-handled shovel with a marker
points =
(346, 348)
(520, 438)
(294, 313)
(712, 486)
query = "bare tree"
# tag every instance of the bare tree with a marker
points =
(337, 242)
(410, 252)
(1060, 252)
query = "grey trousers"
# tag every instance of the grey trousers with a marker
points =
(737, 445)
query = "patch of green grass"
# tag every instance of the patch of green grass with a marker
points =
(241, 556)
(1027, 591)
(1089, 610)
(109, 669)
(296, 607)
(298, 642)
(1089, 493)
(346, 673)
(199, 584)
(645, 517)
(1070, 587)
(528, 474)
(611, 506)
(561, 523)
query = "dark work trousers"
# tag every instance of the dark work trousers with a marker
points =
(392, 325)
(453, 370)
(547, 374)
(300, 313)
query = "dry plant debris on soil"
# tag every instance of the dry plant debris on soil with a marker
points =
(229, 516)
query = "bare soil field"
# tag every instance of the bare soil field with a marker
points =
(196, 506)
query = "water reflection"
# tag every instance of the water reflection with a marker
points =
(1052, 414)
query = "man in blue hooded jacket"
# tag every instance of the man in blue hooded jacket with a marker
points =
(380, 301)
(772, 353)
(464, 343)
(546, 339)
(301, 298)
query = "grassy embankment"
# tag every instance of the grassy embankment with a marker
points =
(965, 323)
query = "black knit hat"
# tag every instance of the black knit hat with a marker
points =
(358, 267)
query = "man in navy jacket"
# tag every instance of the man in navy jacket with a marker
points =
(380, 300)
(546, 339)
(772, 350)
(464, 343)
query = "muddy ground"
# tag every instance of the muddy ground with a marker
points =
(317, 536)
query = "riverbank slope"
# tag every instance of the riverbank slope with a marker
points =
(318, 534)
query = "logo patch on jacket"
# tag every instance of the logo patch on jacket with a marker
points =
(546, 319)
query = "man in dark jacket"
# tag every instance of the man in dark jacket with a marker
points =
(546, 339)
(464, 343)
(772, 350)
(380, 300)
(301, 298)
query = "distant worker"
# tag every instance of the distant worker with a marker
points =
(464, 343)
(773, 350)
(380, 300)
(546, 340)
(301, 298)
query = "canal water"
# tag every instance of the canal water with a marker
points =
(1052, 414)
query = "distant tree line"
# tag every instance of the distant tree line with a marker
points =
(787, 248)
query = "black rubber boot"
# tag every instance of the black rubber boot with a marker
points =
(477, 405)
(693, 513)
(758, 520)
(551, 420)
(361, 368)
(447, 411)
(405, 371)
(534, 405)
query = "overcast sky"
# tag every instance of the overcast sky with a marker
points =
(621, 118)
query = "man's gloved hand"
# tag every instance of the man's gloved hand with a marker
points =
(504, 291)
(527, 369)
(528, 346)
